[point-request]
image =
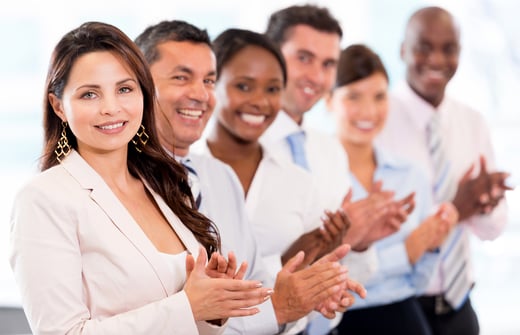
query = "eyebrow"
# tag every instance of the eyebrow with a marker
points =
(332, 60)
(185, 69)
(313, 55)
(182, 68)
(307, 52)
(253, 78)
(98, 86)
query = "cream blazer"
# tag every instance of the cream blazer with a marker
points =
(84, 266)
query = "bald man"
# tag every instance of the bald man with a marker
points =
(451, 141)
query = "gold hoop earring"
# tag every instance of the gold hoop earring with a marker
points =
(63, 148)
(140, 139)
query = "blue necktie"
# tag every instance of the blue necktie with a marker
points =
(296, 143)
(193, 181)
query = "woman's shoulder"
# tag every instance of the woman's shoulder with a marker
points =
(52, 183)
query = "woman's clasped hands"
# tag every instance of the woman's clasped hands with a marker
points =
(216, 288)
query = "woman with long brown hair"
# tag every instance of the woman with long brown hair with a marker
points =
(106, 239)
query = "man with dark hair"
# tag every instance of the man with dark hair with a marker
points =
(451, 141)
(184, 70)
(319, 18)
(309, 38)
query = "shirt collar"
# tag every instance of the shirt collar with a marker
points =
(388, 161)
(267, 154)
(421, 119)
(179, 159)
(282, 126)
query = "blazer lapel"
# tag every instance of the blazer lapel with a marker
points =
(103, 196)
(185, 235)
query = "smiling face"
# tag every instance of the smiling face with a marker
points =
(312, 58)
(360, 109)
(102, 103)
(184, 77)
(248, 93)
(431, 53)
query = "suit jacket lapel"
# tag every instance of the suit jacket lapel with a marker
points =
(103, 196)
(185, 235)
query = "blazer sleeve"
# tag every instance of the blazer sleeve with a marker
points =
(47, 262)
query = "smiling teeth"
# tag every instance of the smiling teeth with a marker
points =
(112, 126)
(365, 124)
(435, 73)
(308, 90)
(253, 119)
(190, 113)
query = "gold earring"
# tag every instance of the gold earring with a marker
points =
(63, 148)
(140, 139)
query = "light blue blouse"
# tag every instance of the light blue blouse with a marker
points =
(396, 279)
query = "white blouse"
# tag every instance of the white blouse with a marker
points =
(177, 266)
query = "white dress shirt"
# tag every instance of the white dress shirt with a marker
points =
(468, 137)
(223, 203)
(280, 208)
(326, 157)
(328, 164)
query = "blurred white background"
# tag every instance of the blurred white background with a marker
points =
(488, 79)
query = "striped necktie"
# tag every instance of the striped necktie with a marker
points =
(443, 185)
(193, 181)
(456, 283)
(296, 144)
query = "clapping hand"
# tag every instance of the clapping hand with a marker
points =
(219, 267)
(432, 232)
(216, 299)
(334, 227)
(343, 298)
(321, 240)
(479, 195)
(298, 292)
(375, 217)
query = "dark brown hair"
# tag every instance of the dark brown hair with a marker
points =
(158, 169)
(319, 18)
(357, 62)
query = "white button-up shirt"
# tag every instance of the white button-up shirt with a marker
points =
(223, 203)
(280, 208)
(328, 165)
